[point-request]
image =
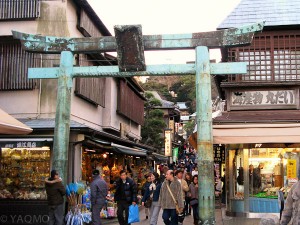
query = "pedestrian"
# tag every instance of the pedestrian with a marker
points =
(257, 185)
(194, 198)
(55, 196)
(184, 186)
(144, 188)
(153, 193)
(99, 191)
(223, 179)
(170, 191)
(125, 195)
(163, 175)
(187, 207)
(291, 210)
(195, 170)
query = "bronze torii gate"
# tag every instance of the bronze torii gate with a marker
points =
(130, 45)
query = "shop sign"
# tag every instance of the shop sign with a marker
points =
(219, 154)
(263, 99)
(168, 143)
(171, 126)
(175, 154)
(291, 168)
(23, 144)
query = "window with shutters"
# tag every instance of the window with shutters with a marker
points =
(272, 57)
(90, 89)
(14, 64)
(130, 103)
(19, 9)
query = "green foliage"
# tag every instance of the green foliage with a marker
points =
(152, 131)
(162, 89)
(189, 127)
(185, 89)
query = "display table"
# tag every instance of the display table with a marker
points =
(237, 205)
(263, 205)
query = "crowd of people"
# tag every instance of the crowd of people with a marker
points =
(174, 190)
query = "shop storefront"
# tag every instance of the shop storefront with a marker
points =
(110, 160)
(262, 159)
(24, 165)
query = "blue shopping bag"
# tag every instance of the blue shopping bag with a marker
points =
(133, 216)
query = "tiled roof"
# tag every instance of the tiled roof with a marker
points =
(273, 12)
(167, 104)
(48, 123)
(182, 105)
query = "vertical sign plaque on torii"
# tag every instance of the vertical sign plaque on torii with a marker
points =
(130, 45)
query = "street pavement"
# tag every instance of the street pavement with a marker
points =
(221, 219)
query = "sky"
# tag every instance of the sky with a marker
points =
(166, 17)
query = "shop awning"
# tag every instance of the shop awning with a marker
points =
(10, 125)
(253, 133)
(160, 157)
(129, 151)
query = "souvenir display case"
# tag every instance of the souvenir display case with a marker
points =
(258, 174)
(23, 173)
(23, 170)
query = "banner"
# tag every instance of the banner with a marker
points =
(168, 143)
(175, 154)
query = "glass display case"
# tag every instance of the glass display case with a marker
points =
(257, 176)
(23, 173)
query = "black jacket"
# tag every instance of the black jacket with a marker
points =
(130, 190)
(55, 191)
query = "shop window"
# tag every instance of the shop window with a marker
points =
(23, 172)
(271, 170)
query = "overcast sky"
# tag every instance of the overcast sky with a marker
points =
(166, 17)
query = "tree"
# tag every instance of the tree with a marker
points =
(189, 127)
(185, 89)
(162, 89)
(152, 131)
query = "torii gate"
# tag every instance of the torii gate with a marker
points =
(130, 45)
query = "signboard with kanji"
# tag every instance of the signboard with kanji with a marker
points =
(219, 154)
(168, 143)
(264, 99)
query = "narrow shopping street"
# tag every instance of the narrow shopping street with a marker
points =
(221, 219)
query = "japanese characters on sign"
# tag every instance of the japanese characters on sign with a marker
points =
(291, 168)
(22, 144)
(219, 154)
(263, 98)
(168, 143)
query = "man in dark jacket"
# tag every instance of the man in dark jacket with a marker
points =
(257, 178)
(99, 192)
(126, 194)
(55, 191)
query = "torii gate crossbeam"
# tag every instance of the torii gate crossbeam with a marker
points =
(202, 68)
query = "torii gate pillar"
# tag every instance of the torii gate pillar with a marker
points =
(62, 115)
